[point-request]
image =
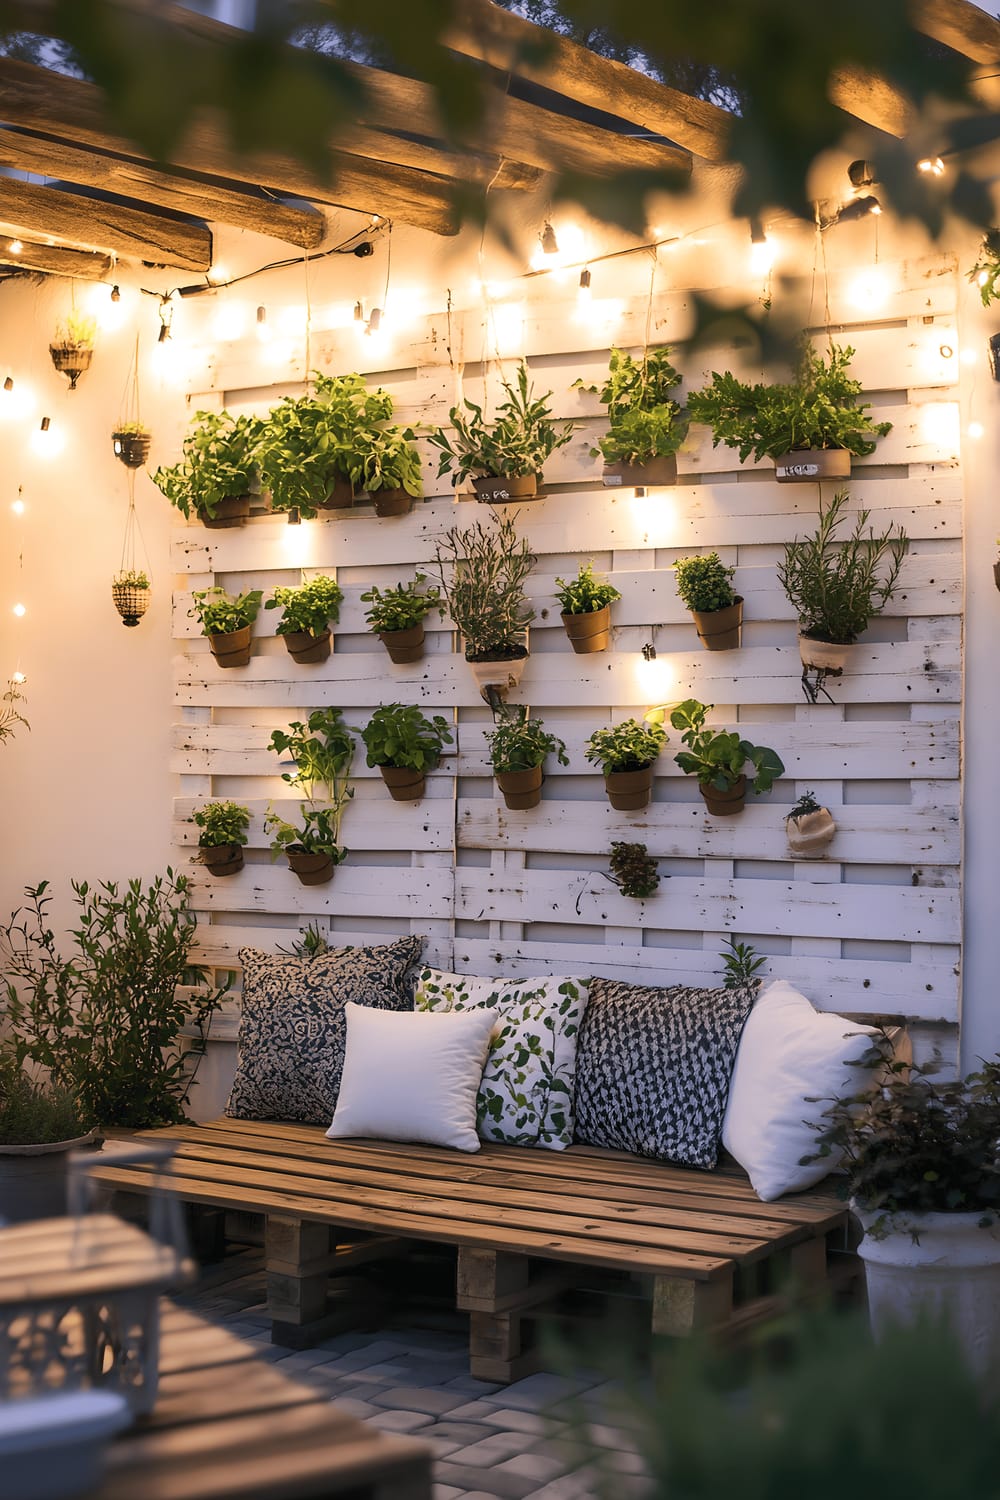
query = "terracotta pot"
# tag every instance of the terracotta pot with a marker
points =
(501, 676)
(827, 656)
(306, 648)
(340, 496)
(521, 789)
(392, 502)
(232, 648)
(721, 804)
(810, 834)
(806, 465)
(720, 629)
(641, 476)
(312, 869)
(589, 632)
(494, 490)
(222, 859)
(403, 645)
(131, 447)
(628, 791)
(404, 784)
(233, 510)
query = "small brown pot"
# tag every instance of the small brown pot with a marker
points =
(721, 804)
(233, 510)
(403, 645)
(340, 497)
(306, 648)
(996, 574)
(312, 869)
(720, 629)
(810, 834)
(641, 476)
(222, 859)
(404, 785)
(629, 791)
(825, 656)
(392, 502)
(589, 632)
(806, 465)
(498, 676)
(132, 448)
(521, 789)
(496, 490)
(71, 360)
(232, 648)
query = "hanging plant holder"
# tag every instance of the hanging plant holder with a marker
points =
(71, 360)
(131, 599)
(131, 448)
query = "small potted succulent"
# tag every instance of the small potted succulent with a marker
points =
(810, 426)
(719, 758)
(503, 458)
(646, 426)
(405, 746)
(223, 835)
(72, 349)
(396, 615)
(482, 573)
(226, 620)
(809, 828)
(706, 587)
(386, 466)
(218, 469)
(307, 612)
(633, 870)
(308, 443)
(626, 754)
(312, 847)
(131, 441)
(130, 593)
(586, 609)
(518, 748)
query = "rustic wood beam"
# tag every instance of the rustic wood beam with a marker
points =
(92, 223)
(872, 99)
(57, 261)
(963, 27)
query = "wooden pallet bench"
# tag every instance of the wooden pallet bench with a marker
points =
(526, 1224)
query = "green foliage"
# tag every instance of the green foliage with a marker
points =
(741, 964)
(818, 409)
(322, 749)
(517, 743)
(318, 832)
(629, 746)
(220, 461)
(222, 823)
(482, 573)
(633, 870)
(309, 441)
(129, 578)
(806, 804)
(585, 594)
(400, 736)
(131, 430)
(10, 716)
(704, 584)
(718, 758)
(105, 1021)
(76, 330)
(402, 606)
(33, 1114)
(385, 459)
(834, 587)
(220, 613)
(310, 943)
(986, 272)
(311, 607)
(644, 422)
(513, 446)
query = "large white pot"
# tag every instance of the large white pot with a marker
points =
(944, 1265)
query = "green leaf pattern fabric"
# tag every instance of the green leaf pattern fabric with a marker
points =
(526, 1094)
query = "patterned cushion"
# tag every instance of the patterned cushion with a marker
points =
(654, 1065)
(292, 1029)
(526, 1096)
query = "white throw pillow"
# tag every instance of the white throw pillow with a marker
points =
(789, 1053)
(412, 1076)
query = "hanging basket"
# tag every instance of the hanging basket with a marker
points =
(130, 602)
(132, 448)
(71, 360)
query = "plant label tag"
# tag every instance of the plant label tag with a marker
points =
(612, 480)
(797, 471)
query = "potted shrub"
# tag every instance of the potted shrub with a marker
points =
(131, 441)
(321, 749)
(835, 587)
(518, 750)
(810, 426)
(706, 587)
(307, 612)
(309, 442)
(313, 847)
(719, 758)
(646, 426)
(503, 458)
(626, 753)
(405, 746)
(633, 870)
(386, 466)
(397, 615)
(809, 828)
(223, 835)
(226, 620)
(586, 609)
(40, 1124)
(217, 471)
(130, 593)
(72, 349)
(482, 573)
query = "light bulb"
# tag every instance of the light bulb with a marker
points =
(15, 247)
(218, 273)
(975, 430)
(17, 506)
(262, 330)
(982, 278)
(585, 293)
(18, 678)
(761, 255)
(375, 320)
(359, 311)
(116, 295)
(548, 241)
(931, 164)
(8, 384)
(19, 610)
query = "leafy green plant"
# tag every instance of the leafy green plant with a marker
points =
(401, 736)
(222, 823)
(104, 1022)
(633, 870)
(220, 613)
(629, 746)
(318, 832)
(33, 1113)
(482, 573)
(585, 594)
(308, 441)
(310, 608)
(819, 408)
(517, 743)
(704, 583)
(130, 578)
(806, 804)
(219, 462)
(718, 758)
(644, 421)
(10, 715)
(835, 587)
(385, 459)
(986, 272)
(741, 964)
(309, 944)
(76, 330)
(516, 444)
(401, 607)
(131, 430)
(322, 749)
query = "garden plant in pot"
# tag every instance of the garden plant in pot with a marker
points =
(482, 572)
(386, 465)
(396, 615)
(312, 847)
(518, 748)
(626, 754)
(322, 750)
(719, 759)
(586, 609)
(130, 593)
(706, 587)
(646, 426)
(226, 619)
(633, 870)
(809, 828)
(39, 1125)
(218, 469)
(307, 614)
(404, 745)
(223, 836)
(810, 426)
(131, 442)
(72, 349)
(309, 442)
(502, 458)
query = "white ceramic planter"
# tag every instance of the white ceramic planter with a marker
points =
(810, 834)
(825, 655)
(499, 675)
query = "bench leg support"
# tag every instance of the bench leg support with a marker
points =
(494, 1286)
(683, 1307)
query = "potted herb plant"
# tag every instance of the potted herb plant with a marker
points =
(309, 442)
(10, 700)
(396, 615)
(312, 848)
(223, 836)
(502, 458)
(519, 747)
(72, 349)
(130, 593)
(718, 758)
(706, 587)
(307, 612)
(586, 609)
(40, 1124)
(626, 753)
(131, 442)
(836, 587)
(226, 620)
(386, 466)
(482, 572)
(405, 746)
(810, 426)
(633, 870)
(646, 426)
(217, 471)
(321, 749)
(809, 828)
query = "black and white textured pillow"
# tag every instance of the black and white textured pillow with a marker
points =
(293, 1030)
(653, 1068)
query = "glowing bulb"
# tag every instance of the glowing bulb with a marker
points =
(17, 506)
(869, 291)
(218, 273)
(939, 425)
(263, 328)
(19, 678)
(584, 294)
(653, 677)
(46, 441)
(15, 247)
(761, 249)
(19, 610)
(375, 320)
(116, 295)
(975, 430)
(982, 278)
(969, 356)
(229, 322)
(569, 249)
(8, 384)
(359, 311)
(932, 164)
(108, 309)
(547, 240)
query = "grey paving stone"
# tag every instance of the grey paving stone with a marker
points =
(538, 1391)
(474, 1387)
(521, 1421)
(370, 1354)
(352, 1407)
(536, 1466)
(399, 1421)
(579, 1486)
(445, 1492)
(476, 1410)
(492, 1450)
(414, 1398)
(604, 1436)
(461, 1433)
(306, 1359)
(501, 1486)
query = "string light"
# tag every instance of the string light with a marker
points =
(45, 424)
(374, 320)
(263, 329)
(547, 240)
(761, 249)
(166, 311)
(931, 164)
(15, 246)
(359, 311)
(19, 678)
(116, 295)
(19, 610)
(975, 430)
(8, 384)
(584, 293)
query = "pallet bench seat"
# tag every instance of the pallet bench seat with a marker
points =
(526, 1223)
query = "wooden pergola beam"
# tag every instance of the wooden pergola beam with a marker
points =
(963, 27)
(56, 260)
(872, 99)
(92, 223)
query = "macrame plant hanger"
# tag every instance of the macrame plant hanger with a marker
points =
(130, 587)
